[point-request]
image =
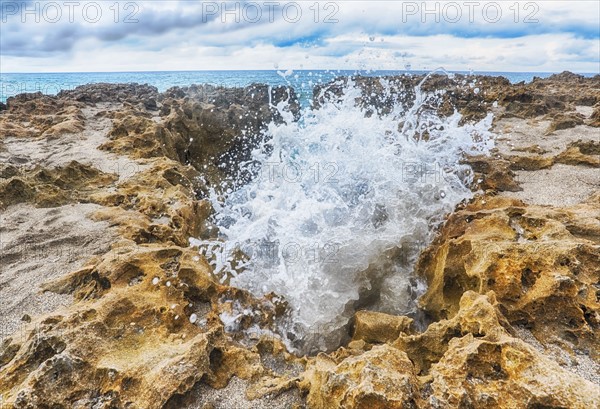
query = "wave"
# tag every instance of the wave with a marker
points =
(339, 205)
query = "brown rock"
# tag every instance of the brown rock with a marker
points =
(70, 126)
(376, 327)
(492, 173)
(15, 190)
(470, 360)
(381, 378)
(564, 121)
(581, 153)
(488, 368)
(128, 341)
(506, 373)
(211, 128)
(51, 187)
(594, 119)
(541, 263)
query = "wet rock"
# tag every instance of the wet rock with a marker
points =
(492, 173)
(443, 94)
(211, 128)
(219, 127)
(473, 96)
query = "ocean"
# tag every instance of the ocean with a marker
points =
(303, 80)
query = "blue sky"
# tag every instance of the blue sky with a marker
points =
(58, 36)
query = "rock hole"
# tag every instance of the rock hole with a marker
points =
(528, 278)
(216, 359)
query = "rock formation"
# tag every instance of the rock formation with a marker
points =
(132, 317)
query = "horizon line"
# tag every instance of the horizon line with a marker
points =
(298, 70)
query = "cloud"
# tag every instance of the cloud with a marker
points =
(187, 34)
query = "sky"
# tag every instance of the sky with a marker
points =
(80, 36)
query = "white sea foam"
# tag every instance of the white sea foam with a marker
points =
(340, 207)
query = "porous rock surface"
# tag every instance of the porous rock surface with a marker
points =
(510, 317)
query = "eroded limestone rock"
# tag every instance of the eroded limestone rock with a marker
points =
(543, 265)
(149, 322)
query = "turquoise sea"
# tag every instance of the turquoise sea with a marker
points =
(50, 83)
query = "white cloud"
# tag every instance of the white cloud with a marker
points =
(185, 36)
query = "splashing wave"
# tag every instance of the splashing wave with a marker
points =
(341, 203)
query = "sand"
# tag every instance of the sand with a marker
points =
(233, 397)
(579, 363)
(559, 185)
(81, 147)
(570, 185)
(41, 244)
(38, 245)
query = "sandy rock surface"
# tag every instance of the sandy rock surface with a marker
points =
(105, 305)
